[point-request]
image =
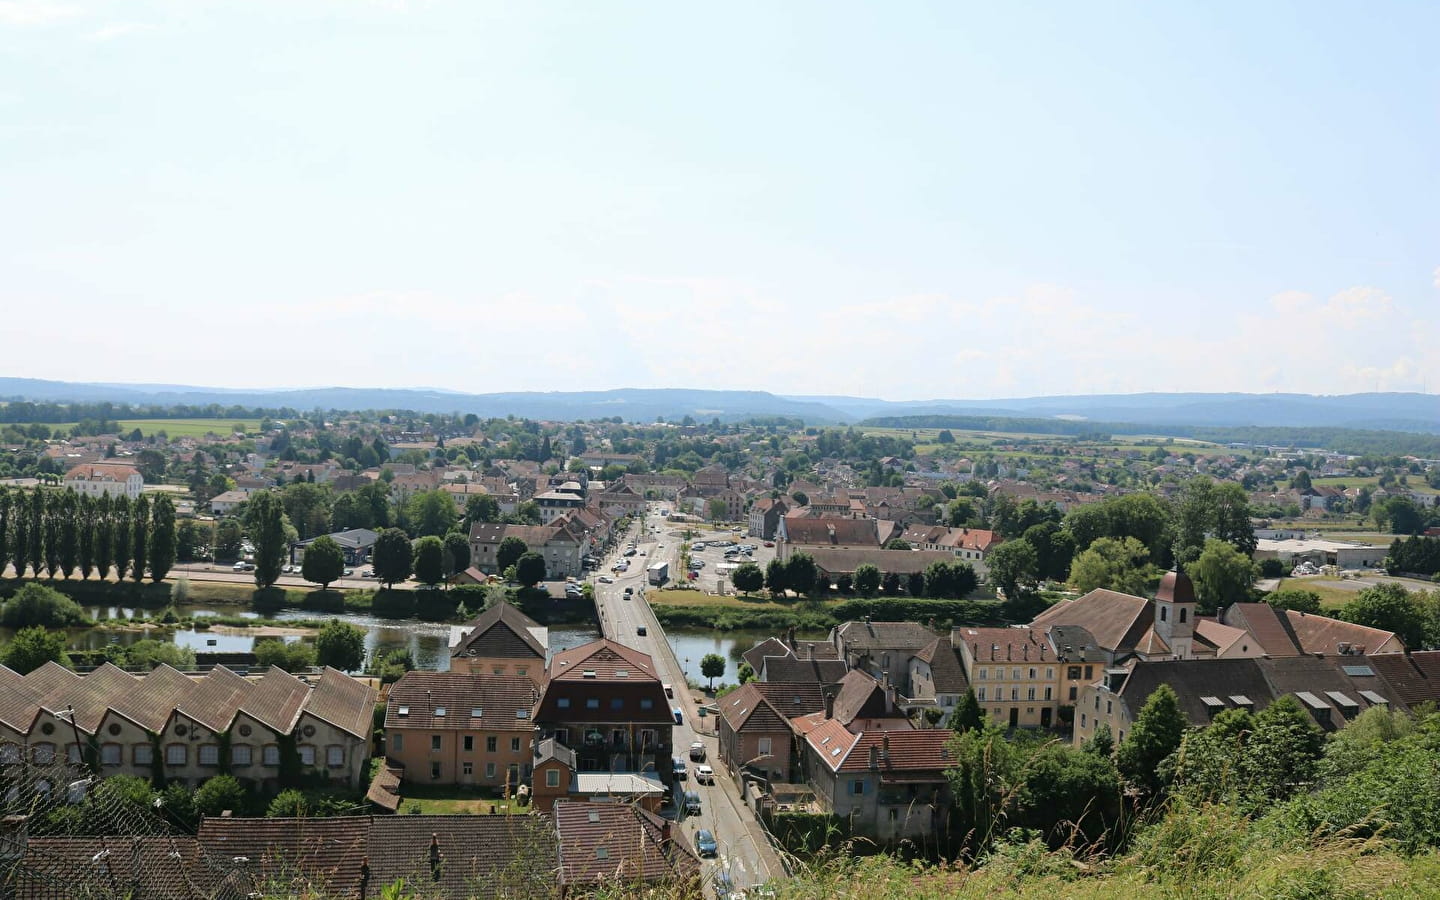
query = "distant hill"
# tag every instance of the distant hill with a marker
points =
(1409, 412)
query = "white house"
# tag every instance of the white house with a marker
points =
(97, 479)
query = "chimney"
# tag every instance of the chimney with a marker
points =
(874, 757)
(885, 747)
(829, 705)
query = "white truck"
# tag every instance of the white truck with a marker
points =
(658, 572)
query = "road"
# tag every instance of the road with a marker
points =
(744, 850)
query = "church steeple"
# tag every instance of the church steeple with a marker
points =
(1175, 612)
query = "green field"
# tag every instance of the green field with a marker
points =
(175, 427)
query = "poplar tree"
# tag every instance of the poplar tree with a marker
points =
(69, 532)
(120, 545)
(35, 529)
(85, 533)
(5, 529)
(54, 522)
(139, 536)
(162, 537)
(104, 531)
(19, 532)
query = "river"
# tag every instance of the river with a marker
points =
(428, 642)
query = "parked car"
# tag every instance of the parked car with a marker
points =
(669, 690)
(606, 579)
(349, 572)
(769, 543)
(679, 768)
(697, 751)
(640, 630)
(704, 775)
(242, 567)
(692, 803)
(705, 843)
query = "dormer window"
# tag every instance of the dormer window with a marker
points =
(439, 712)
(403, 711)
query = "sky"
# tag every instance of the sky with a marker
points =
(902, 200)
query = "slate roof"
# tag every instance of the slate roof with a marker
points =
(496, 697)
(864, 637)
(771, 646)
(989, 645)
(788, 669)
(501, 632)
(1194, 679)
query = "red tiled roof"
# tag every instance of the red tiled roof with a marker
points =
(605, 659)
(611, 842)
(496, 697)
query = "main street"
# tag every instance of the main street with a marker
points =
(744, 850)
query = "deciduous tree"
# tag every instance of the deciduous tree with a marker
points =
(509, 552)
(340, 645)
(429, 562)
(270, 532)
(393, 557)
(1155, 734)
(323, 563)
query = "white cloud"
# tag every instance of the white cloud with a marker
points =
(35, 12)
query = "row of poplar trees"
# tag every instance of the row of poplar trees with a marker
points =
(54, 533)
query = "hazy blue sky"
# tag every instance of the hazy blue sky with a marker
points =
(893, 199)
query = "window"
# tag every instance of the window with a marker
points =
(142, 754)
(647, 703)
(175, 755)
(439, 712)
(1097, 702)
(9, 754)
(270, 755)
(399, 743)
(467, 769)
(592, 703)
(434, 771)
(499, 670)
(1072, 672)
(335, 756)
(562, 736)
(1082, 720)
(72, 753)
(552, 778)
(1014, 693)
(1030, 693)
(980, 693)
(1163, 611)
(434, 743)
(1032, 674)
(110, 755)
(1048, 689)
(763, 746)
(984, 674)
(562, 702)
(491, 744)
(1072, 693)
(209, 755)
(1014, 674)
(240, 755)
(617, 703)
(307, 754)
(1109, 707)
(514, 745)
(489, 770)
(1182, 615)
(857, 786)
(1050, 673)
(521, 670)
(469, 742)
(1089, 672)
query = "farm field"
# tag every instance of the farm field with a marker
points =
(174, 427)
